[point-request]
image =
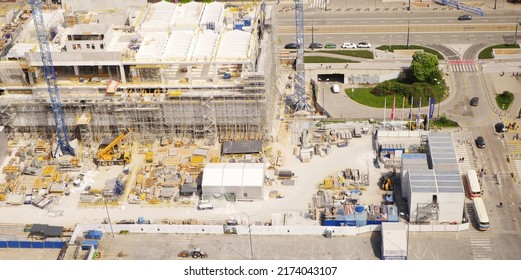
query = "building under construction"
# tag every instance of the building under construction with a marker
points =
(183, 71)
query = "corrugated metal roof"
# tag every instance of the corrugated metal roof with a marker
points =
(241, 147)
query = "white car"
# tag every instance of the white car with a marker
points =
(363, 45)
(335, 88)
(348, 46)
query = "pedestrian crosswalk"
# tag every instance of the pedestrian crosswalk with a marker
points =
(322, 4)
(481, 249)
(463, 66)
(461, 153)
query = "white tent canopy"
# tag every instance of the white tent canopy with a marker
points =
(152, 47)
(205, 46)
(234, 45)
(178, 45)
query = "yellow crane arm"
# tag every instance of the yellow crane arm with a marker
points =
(112, 144)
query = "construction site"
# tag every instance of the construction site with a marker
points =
(133, 117)
(133, 78)
(215, 81)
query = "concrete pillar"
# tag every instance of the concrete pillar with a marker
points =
(189, 74)
(100, 69)
(122, 74)
(76, 70)
(215, 71)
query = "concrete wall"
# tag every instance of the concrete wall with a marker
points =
(255, 230)
(77, 58)
(401, 134)
(451, 207)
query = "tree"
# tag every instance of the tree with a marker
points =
(424, 67)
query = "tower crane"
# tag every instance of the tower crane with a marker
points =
(300, 78)
(50, 79)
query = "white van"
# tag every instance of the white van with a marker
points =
(204, 205)
(335, 88)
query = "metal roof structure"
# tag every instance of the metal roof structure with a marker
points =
(46, 230)
(435, 181)
(441, 151)
(241, 147)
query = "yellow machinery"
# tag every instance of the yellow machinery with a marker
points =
(149, 157)
(106, 156)
(388, 185)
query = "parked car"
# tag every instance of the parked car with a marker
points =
(465, 17)
(330, 46)
(315, 45)
(291, 46)
(480, 142)
(363, 45)
(335, 88)
(474, 101)
(348, 46)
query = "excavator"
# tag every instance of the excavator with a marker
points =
(106, 156)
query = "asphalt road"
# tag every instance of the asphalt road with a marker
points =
(379, 29)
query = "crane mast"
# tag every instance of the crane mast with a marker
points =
(50, 78)
(300, 78)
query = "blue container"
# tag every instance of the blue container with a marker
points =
(247, 21)
(94, 234)
(86, 244)
(359, 208)
(238, 25)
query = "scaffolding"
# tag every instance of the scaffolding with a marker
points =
(157, 103)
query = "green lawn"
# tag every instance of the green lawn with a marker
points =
(487, 52)
(365, 97)
(325, 59)
(354, 53)
(504, 100)
(413, 47)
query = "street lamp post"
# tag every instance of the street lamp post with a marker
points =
(249, 232)
(408, 31)
(108, 215)
(517, 25)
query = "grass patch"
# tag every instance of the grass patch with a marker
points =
(366, 96)
(325, 59)
(355, 53)
(487, 52)
(414, 47)
(443, 121)
(504, 100)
